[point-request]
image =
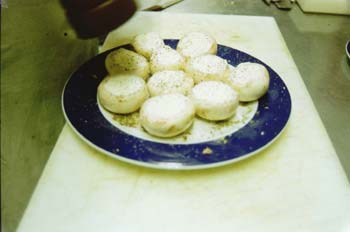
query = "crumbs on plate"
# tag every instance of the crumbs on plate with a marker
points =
(207, 151)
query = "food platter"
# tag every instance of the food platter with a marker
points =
(86, 117)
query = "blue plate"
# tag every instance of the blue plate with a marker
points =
(347, 48)
(82, 113)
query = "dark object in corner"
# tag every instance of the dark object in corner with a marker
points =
(92, 18)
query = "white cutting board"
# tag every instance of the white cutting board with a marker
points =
(295, 185)
(326, 6)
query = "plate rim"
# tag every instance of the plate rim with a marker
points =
(165, 165)
(173, 167)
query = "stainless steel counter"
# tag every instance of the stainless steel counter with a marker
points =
(29, 130)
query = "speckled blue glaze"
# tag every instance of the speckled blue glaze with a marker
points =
(82, 113)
